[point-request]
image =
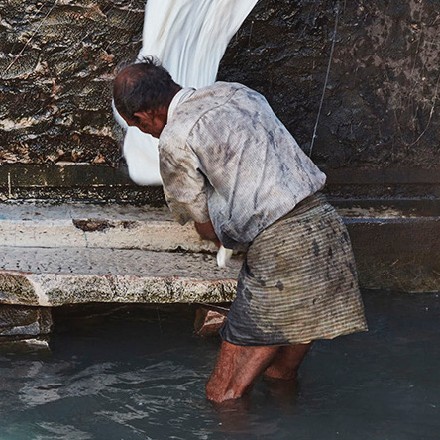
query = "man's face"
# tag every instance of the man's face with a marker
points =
(150, 122)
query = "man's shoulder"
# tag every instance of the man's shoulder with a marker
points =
(202, 101)
(214, 94)
(208, 103)
(221, 89)
(222, 86)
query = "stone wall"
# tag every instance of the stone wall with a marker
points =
(56, 62)
(379, 106)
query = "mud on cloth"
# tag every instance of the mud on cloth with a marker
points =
(298, 282)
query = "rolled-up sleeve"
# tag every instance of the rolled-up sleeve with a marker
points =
(184, 184)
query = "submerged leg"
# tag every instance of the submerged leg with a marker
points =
(236, 369)
(287, 361)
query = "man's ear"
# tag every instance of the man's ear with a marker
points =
(143, 116)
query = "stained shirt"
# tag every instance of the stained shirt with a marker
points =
(226, 157)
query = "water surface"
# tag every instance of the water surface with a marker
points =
(140, 374)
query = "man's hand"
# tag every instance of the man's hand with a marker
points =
(206, 231)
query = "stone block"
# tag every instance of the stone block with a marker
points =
(24, 322)
(209, 320)
(57, 276)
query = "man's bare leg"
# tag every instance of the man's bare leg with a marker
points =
(287, 361)
(236, 369)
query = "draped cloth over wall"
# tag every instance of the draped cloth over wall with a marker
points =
(190, 38)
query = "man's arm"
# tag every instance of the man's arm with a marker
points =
(185, 190)
(184, 185)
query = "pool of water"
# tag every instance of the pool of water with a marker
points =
(140, 374)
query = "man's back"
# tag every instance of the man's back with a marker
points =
(255, 170)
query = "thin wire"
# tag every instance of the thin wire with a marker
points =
(335, 31)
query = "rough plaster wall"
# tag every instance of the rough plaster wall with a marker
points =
(379, 108)
(381, 101)
(56, 64)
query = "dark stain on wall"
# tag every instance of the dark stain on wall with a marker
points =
(380, 105)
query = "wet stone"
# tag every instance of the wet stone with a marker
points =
(16, 288)
(27, 346)
(209, 320)
(24, 322)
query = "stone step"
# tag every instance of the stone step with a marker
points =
(96, 226)
(397, 246)
(57, 276)
(127, 226)
(54, 255)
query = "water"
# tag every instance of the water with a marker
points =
(139, 374)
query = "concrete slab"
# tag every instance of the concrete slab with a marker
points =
(58, 276)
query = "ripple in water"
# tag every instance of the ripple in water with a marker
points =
(135, 376)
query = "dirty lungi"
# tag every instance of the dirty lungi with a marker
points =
(298, 282)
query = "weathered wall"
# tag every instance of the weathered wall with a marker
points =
(380, 105)
(379, 108)
(377, 137)
(56, 64)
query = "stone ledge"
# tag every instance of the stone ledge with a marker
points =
(54, 277)
(96, 226)
(140, 227)
(396, 246)
(63, 182)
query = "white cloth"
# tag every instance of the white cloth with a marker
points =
(189, 37)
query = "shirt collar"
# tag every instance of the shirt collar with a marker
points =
(181, 96)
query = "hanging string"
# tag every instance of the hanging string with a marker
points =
(335, 31)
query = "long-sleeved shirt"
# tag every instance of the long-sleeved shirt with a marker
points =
(225, 157)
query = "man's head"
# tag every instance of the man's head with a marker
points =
(142, 93)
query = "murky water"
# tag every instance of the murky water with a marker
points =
(140, 375)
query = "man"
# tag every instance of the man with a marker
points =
(230, 165)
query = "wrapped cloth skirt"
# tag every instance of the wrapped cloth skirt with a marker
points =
(298, 282)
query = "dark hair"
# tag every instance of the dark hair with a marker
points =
(143, 86)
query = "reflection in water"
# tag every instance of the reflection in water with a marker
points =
(124, 376)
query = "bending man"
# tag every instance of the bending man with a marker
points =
(230, 165)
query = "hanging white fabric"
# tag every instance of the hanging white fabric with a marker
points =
(190, 38)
